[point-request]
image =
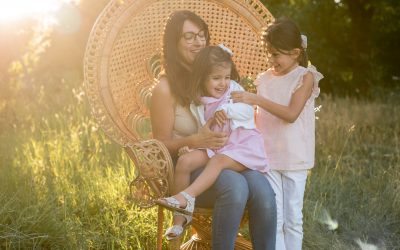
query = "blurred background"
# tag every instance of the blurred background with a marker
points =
(63, 184)
(352, 42)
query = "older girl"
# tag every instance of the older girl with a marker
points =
(285, 96)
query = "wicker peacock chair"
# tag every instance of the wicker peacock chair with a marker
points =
(121, 65)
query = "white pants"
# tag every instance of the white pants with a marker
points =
(289, 188)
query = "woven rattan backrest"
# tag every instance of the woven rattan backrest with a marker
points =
(122, 56)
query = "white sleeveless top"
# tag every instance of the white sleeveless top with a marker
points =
(289, 146)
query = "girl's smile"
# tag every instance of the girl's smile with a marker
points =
(218, 81)
(282, 62)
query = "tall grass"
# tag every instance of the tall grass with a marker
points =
(357, 175)
(64, 185)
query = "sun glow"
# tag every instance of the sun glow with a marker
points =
(14, 10)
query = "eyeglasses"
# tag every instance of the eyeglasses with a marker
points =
(190, 36)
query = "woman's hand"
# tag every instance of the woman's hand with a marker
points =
(209, 139)
(245, 97)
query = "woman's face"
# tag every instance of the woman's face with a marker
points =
(193, 39)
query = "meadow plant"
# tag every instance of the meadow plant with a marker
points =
(65, 185)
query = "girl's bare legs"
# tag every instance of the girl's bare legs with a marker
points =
(186, 164)
(207, 178)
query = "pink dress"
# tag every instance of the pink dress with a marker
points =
(245, 143)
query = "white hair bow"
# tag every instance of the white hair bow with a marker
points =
(226, 49)
(304, 41)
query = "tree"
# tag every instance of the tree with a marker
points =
(352, 42)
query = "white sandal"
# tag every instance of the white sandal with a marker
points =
(173, 204)
(176, 230)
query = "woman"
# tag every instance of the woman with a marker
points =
(185, 34)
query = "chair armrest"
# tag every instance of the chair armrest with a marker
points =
(155, 171)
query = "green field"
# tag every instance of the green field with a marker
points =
(64, 185)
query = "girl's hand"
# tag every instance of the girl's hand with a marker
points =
(220, 117)
(245, 97)
(209, 139)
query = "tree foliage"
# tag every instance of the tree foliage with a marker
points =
(352, 42)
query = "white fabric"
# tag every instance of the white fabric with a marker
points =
(226, 49)
(289, 189)
(240, 114)
(304, 41)
(173, 232)
(289, 146)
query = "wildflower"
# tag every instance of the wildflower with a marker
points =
(352, 128)
(365, 246)
(327, 220)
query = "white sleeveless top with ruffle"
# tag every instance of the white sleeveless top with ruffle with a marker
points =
(289, 146)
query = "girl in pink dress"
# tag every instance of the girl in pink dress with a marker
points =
(286, 119)
(211, 85)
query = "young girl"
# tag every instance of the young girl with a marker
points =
(286, 119)
(211, 86)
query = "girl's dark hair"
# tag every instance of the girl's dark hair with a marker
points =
(203, 64)
(176, 72)
(284, 35)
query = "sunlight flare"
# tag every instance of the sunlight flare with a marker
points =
(21, 9)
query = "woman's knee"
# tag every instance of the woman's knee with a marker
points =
(232, 186)
(260, 190)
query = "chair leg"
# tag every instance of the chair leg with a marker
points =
(201, 234)
(160, 221)
(242, 243)
(175, 244)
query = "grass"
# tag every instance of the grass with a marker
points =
(64, 185)
(356, 179)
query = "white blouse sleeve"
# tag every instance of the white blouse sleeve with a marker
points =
(317, 76)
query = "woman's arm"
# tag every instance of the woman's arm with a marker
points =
(162, 114)
(287, 113)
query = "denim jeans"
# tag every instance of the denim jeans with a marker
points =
(229, 196)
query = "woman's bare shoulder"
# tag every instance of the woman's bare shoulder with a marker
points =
(162, 94)
(162, 88)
